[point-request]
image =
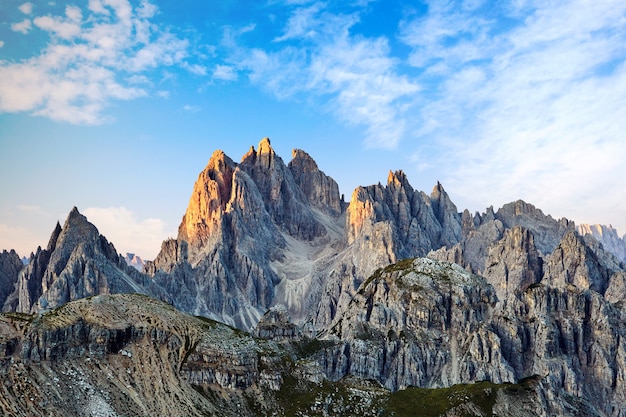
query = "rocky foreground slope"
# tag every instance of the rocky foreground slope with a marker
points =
(120, 355)
(531, 305)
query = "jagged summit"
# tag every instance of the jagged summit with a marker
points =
(263, 157)
(273, 247)
(77, 263)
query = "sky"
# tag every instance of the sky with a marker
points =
(115, 106)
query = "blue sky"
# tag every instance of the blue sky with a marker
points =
(115, 106)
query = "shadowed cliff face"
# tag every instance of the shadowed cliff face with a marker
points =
(427, 323)
(10, 267)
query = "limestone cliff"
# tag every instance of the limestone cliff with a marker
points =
(320, 190)
(234, 235)
(10, 267)
(513, 263)
(427, 324)
(78, 262)
(529, 298)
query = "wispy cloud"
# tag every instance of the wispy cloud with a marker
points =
(191, 108)
(224, 72)
(92, 57)
(128, 233)
(317, 56)
(532, 110)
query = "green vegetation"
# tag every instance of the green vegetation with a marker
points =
(405, 265)
(435, 402)
(365, 398)
(309, 347)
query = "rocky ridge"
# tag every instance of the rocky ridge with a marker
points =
(120, 355)
(263, 243)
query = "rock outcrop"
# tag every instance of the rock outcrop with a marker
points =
(418, 323)
(513, 263)
(10, 267)
(111, 355)
(276, 324)
(431, 324)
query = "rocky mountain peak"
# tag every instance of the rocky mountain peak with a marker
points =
(283, 198)
(79, 263)
(548, 232)
(211, 193)
(447, 214)
(320, 190)
(264, 157)
(397, 179)
(574, 265)
(304, 160)
(265, 146)
(55, 235)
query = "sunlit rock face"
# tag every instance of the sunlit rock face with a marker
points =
(207, 204)
(607, 236)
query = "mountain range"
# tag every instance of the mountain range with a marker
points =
(277, 288)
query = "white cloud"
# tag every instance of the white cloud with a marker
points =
(356, 75)
(1, 44)
(534, 112)
(26, 8)
(62, 27)
(195, 68)
(128, 233)
(95, 55)
(24, 26)
(191, 108)
(224, 72)
(302, 23)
